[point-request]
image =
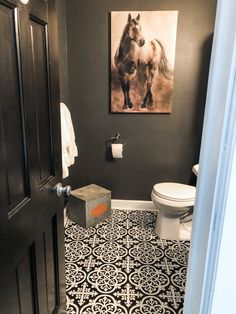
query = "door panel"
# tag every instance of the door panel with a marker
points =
(43, 140)
(41, 269)
(50, 267)
(31, 215)
(25, 283)
(12, 125)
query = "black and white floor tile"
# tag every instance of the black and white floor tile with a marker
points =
(121, 267)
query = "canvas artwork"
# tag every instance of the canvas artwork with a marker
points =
(142, 61)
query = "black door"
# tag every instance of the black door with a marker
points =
(31, 215)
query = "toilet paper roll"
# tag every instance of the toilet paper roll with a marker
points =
(117, 150)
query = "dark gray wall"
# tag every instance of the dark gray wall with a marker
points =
(160, 147)
(63, 58)
(62, 45)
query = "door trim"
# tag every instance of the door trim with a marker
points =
(218, 142)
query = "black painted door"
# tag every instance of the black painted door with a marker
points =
(31, 215)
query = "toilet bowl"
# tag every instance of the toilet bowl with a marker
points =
(174, 202)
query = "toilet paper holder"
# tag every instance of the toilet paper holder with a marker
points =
(115, 138)
(109, 142)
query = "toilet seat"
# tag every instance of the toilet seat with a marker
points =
(175, 192)
(174, 203)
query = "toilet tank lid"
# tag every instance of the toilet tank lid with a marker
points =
(175, 191)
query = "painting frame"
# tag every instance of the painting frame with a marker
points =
(142, 61)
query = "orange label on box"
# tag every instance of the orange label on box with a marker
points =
(98, 210)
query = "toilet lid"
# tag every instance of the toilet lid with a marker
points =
(175, 191)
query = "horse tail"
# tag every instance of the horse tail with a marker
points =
(163, 66)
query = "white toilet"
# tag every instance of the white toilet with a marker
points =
(174, 202)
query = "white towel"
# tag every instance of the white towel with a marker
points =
(68, 145)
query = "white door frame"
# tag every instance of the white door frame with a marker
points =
(217, 167)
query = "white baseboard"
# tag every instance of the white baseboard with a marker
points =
(132, 205)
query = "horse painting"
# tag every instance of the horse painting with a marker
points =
(137, 58)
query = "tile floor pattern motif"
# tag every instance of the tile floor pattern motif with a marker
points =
(121, 267)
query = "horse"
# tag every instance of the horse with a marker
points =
(135, 55)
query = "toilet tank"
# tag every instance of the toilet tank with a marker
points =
(195, 169)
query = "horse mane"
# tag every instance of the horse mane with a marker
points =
(123, 34)
(121, 40)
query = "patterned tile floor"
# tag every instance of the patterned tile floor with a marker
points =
(121, 267)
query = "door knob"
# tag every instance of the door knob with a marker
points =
(59, 189)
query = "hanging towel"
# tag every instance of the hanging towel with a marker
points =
(69, 148)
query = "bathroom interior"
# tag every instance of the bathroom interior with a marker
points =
(144, 256)
(158, 148)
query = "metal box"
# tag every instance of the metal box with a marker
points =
(89, 205)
